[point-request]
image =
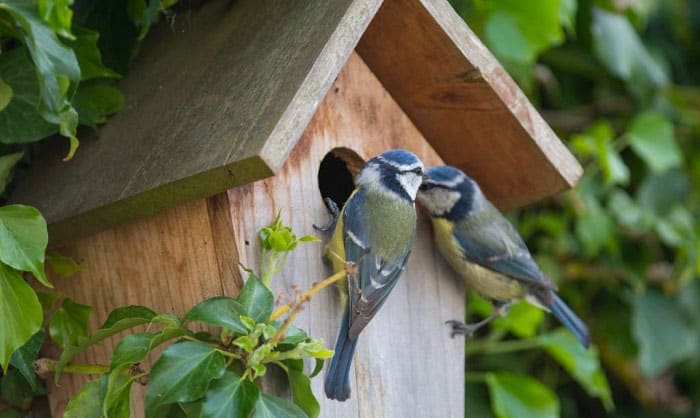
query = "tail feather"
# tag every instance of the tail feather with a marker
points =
(569, 319)
(337, 384)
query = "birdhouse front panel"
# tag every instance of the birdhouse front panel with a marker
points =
(405, 361)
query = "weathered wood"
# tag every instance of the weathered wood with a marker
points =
(406, 364)
(216, 100)
(168, 262)
(464, 102)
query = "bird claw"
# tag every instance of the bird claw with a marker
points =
(335, 212)
(460, 328)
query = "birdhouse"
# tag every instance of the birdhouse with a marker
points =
(244, 109)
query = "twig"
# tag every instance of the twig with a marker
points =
(44, 366)
(305, 297)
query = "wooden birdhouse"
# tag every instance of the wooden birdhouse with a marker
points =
(245, 109)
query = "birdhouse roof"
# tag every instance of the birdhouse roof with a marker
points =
(219, 98)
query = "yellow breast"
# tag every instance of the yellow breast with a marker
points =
(488, 283)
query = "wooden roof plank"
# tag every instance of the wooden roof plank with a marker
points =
(214, 102)
(464, 102)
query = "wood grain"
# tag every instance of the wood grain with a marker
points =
(215, 100)
(464, 102)
(406, 364)
(168, 262)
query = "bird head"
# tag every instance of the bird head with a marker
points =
(395, 172)
(448, 193)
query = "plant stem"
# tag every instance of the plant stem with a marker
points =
(44, 366)
(307, 295)
(493, 347)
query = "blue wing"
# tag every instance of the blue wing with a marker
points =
(488, 239)
(376, 276)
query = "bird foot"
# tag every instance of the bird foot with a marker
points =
(335, 212)
(460, 328)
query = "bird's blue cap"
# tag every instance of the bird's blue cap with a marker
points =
(445, 174)
(400, 157)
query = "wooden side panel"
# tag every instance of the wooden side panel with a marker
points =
(406, 361)
(167, 262)
(464, 102)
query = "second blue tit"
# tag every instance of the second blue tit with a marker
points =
(375, 229)
(483, 247)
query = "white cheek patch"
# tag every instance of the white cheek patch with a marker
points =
(410, 182)
(369, 175)
(439, 201)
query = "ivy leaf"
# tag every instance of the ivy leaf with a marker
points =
(182, 373)
(651, 138)
(97, 100)
(518, 396)
(662, 334)
(62, 265)
(580, 363)
(20, 312)
(522, 320)
(20, 121)
(23, 239)
(134, 348)
(117, 394)
(7, 165)
(269, 406)
(23, 359)
(70, 323)
(594, 228)
(618, 46)
(56, 67)
(88, 55)
(15, 389)
(118, 320)
(87, 403)
(5, 94)
(221, 311)
(58, 15)
(300, 384)
(230, 397)
(256, 299)
(47, 300)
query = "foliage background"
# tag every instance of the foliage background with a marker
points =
(618, 81)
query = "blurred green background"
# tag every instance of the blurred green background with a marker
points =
(618, 82)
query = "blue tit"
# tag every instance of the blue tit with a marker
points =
(375, 229)
(484, 248)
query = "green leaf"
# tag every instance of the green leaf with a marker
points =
(118, 320)
(95, 101)
(15, 389)
(62, 265)
(652, 139)
(58, 15)
(221, 311)
(23, 239)
(580, 363)
(662, 334)
(47, 300)
(7, 165)
(87, 403)
(20, 121)
(677, 228)
(56, 66)
(567, 14)
(5, 94)
(256, 299)
(618, 46)
(182, 373)
(625, 210)
(230, 397)
(518, 396)
(20, 312)
(117, 394)
(659, 193)
(300, 384)
(70, 323)
(523, 319)
(88, 55)
(594, 229)
(269, 406)
(23, 359)
(134, 348)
